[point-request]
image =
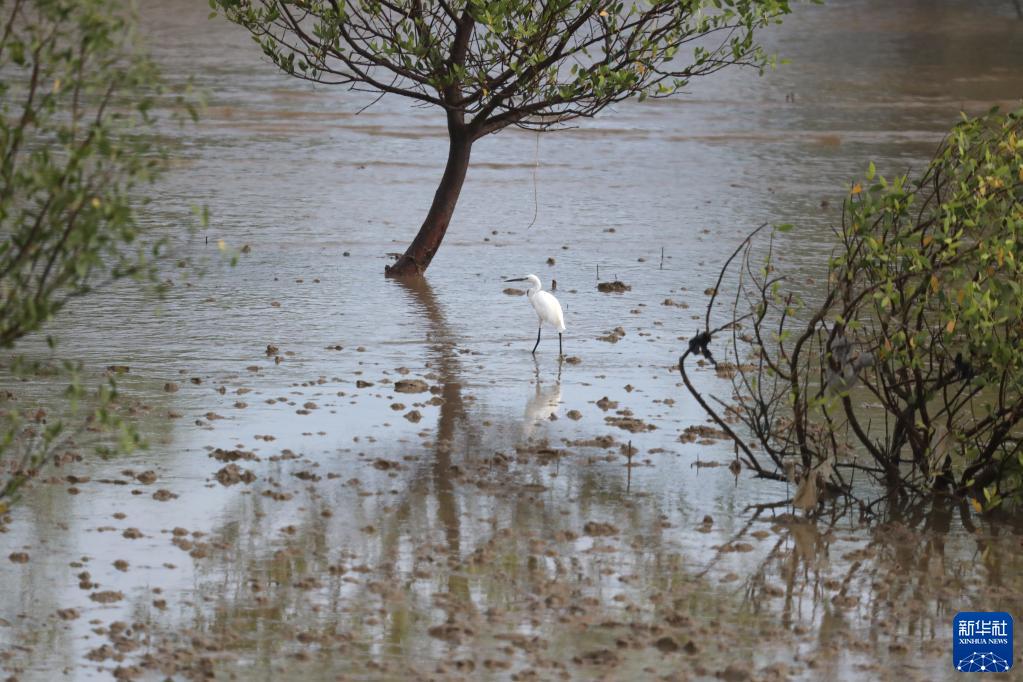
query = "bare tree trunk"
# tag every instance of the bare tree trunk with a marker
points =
(423, 248)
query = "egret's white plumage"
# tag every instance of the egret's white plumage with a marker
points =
(547, 307)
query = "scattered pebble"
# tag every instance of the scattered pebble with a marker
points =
(411, 386)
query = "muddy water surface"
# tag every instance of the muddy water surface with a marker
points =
(299, 515)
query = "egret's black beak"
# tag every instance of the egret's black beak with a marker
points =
(517, 279)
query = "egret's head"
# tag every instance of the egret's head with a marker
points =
(534, 281)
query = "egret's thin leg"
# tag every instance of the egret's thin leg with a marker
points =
(537, 339)
(559, 344)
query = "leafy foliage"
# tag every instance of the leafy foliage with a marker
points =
(909, 368)
(511, 62)
(71, 155)
(75, 109)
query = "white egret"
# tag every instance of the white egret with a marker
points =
(546, 306)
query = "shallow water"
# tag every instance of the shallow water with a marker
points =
(493, 537)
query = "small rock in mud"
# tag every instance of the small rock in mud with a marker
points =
(363, 384)
(126, 673)
(397, 407)
(510, 291)
(630, 424)
(413, 416)
(449, 632)
(670, 302)
(606, 404)
(737, 547)
(106, 596)
(102, 653)
(232, 455)
(614, 287)
(776, 671)
(132, 533)
(121, 565)
(733, 673)
(574, 415)
(573, 359)
(597, 657)
(232, 474)
(146, 477)
(385, 464)
(597, 529)
(701, 432)
(845, 601)
(271, 349)
(19, 557)
(171, 387)
(411, 386)
(163, 495)
(68, 614)
(598, 442)
(613, 336)
(667, 645)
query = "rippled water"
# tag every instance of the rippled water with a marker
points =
(493, 537)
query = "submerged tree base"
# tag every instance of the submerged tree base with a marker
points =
(404, 268)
